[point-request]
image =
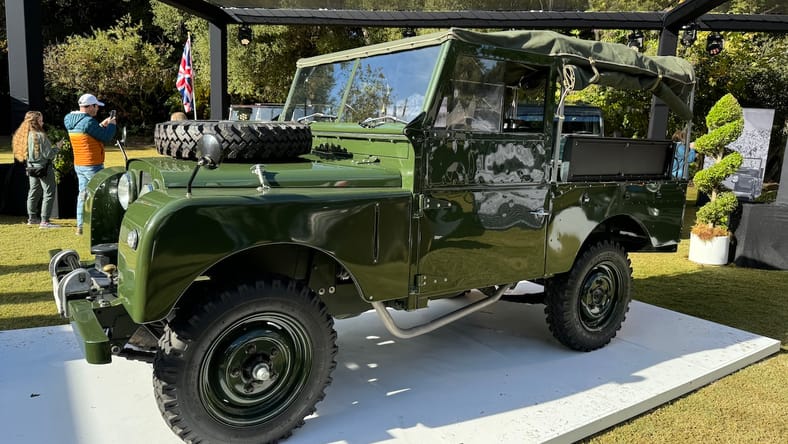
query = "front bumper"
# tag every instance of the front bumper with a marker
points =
(91, 335)
(86, 295)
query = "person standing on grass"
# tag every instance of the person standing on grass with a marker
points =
(31, 145)
(88, 137)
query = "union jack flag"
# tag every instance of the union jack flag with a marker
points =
(185, 80)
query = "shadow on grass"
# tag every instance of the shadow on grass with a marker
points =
(25, 268)
(28, 309)
(29, 297)
(15, 220)
(36, 321)
(33, 322)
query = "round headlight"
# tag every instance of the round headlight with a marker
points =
(132, 239)
(126, 190)
(145, 189)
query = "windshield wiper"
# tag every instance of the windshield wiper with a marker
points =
(315, 116)
(373, 122)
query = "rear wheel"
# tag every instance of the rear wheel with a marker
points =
(247, 365)
(586, 306)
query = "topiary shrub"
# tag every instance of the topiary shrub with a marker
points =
(64, 160)
(725, 122)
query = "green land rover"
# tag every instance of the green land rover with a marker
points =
(397, 174)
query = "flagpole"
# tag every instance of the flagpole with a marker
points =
(194, 77)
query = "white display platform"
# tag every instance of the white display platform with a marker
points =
(495, 376)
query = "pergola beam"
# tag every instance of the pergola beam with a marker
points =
(202, 9)
(463, 19)
(776, 23)
(658, 116)
(220, 99)
(517, 19)
(688, 11)
(25, 58)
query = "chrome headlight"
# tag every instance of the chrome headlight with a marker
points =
(132, 239)
(145, 189)
(127, 190)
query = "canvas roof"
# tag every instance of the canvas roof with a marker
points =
(608, 64)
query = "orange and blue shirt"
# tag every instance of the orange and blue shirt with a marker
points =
(87, 138)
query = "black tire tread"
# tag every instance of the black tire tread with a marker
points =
(180, 333)
(242, 141)
(561, 310)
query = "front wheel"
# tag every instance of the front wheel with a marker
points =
(246, 365)
(586, 306)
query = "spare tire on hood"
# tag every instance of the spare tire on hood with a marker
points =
(242, 141)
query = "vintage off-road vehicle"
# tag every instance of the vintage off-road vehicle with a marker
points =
(398, 174)
(261, 112)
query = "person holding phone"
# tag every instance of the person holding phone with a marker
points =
(88, 137)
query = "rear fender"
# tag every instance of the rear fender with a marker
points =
(641, 217)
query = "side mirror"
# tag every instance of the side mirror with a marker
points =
(209, 151)
(121, 143)
(209, 155)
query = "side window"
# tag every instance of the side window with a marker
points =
(474, 99)
(475, 106)
(525, 100)
(487, 95)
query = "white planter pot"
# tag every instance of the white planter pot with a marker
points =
(711, 252)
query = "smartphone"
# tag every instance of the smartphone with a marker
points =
(112, 114)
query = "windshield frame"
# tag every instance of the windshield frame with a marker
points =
(388, 85)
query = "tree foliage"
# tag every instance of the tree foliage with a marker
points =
(752, 66)
(63, 18)
(262, 71)
(127, 73)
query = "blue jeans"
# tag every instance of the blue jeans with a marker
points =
(84, 174)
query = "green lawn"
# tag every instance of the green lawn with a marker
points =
(25, 287)
(749, 406)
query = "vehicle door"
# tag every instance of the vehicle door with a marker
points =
(485, 197)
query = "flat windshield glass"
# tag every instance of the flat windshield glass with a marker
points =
(388, 88)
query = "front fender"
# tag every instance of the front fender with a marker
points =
(180, 238)
(103, 213)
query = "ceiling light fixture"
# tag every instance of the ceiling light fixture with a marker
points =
(244, 35)
(635, 41)
(689, 33)
(714, 43)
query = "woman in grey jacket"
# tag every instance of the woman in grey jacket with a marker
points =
(31, 146)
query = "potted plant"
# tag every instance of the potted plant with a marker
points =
(65, 177)
(710, 238)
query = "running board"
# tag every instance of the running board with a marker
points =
(412, 332)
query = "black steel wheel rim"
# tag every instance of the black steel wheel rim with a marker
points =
(255, 369)
(600, 294)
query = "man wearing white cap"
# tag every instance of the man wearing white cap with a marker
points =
(88, 137)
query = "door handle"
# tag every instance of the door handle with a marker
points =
(540, 212)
